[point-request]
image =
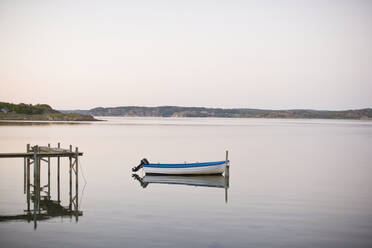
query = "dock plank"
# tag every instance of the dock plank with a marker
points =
(39, 154)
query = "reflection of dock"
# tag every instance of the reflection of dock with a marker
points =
(213, 181)
(43, 205)
(47, 209)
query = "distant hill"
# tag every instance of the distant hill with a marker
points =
(39, 112)
(174, 111)
(27, 109)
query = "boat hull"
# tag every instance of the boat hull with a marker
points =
(213, 169)
(202, 181)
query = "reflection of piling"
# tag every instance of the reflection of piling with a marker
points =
(226, 198)
(227, 184)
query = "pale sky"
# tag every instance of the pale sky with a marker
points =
(242, 54)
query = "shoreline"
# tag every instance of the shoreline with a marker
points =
(58, 117)
(232, 118)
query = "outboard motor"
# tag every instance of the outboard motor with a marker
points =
(143, 162)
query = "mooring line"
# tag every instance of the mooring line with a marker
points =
(85, 184)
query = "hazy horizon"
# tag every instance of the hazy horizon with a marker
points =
(209, 107)
(215, 54)
(182, 106)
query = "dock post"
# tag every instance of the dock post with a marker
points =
(77, 183)
(227, 168)
(58, 176)
(227, 176)
(35, 149)
(48, 175)
(39, 181)
(28, 177)
(24, 174)
(35, 167)
(70, 171)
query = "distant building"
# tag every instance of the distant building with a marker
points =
(4, 110)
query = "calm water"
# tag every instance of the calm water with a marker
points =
(293, 183)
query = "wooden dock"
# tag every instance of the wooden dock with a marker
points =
(35, 155)
(43, 151)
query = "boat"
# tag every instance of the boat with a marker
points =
(204, 168)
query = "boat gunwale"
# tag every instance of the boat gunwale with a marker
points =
(181, 175)
(185, 165)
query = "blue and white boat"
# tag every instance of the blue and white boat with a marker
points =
(204, 168)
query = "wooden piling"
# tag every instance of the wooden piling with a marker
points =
(58, 175)
(36, 181)
(227, 168)
(28, 178)
(35, 166)
(227, 176)
(35, 149)
(39, 182)
(49, 175)
(77, 183)
(70, 173)
(28, 170)
(24, 175)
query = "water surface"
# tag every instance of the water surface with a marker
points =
(293, 183)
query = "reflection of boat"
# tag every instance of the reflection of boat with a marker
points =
(206, 168)
(214, 181)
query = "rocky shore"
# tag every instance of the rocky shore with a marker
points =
(47, 117)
